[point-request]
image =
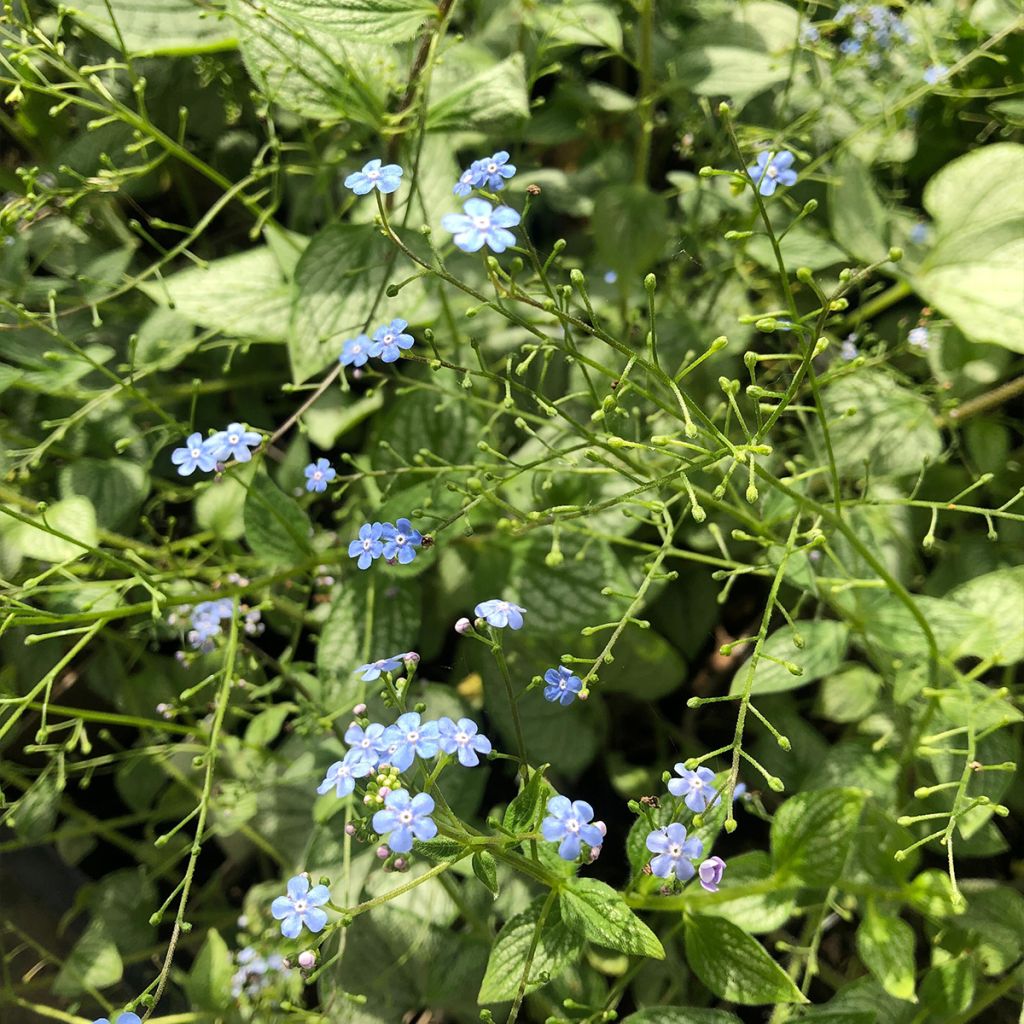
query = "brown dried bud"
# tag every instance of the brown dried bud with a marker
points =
(534, 190)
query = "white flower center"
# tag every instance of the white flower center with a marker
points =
(373, 175)
(405, 817)
(232, 439)
(388, 339)
(196, 452)
(462, 738)
(773, 171)
(399, 538)
(675, 851)
(357, 348)
(481, 222)
(412, 737)
(301, 906)
(491, 168)
(572, 825)
(561, 684)
(367, 544)
(317, 475)
(696, 783)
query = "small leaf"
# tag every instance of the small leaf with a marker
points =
(886, 945)
(599, 913)
(486, 869)
(171, 27)
(94, 963)
(811, 835)
(734, 965)
(276, 527)
(209, 982)
(523, 814)
(74, 517)
(824, 646)
(858, 217)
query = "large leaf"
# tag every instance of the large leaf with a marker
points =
(734, 965)
(857, 215)
(244, 295)
(999, 598)
(93, 963)
(276, 527)
(886, 945)
(209, 981)
(973, 272)
(115, 488)
(149, 27)
(556, 948)
(824, 646)
(599, 914)
(74, 517)
(630, 228)
(461, 100)
(389, 21)
(811, 835)
(680, 1015)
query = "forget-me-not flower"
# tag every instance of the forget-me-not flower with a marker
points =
(919, 338)
(369, 742)
(388, 340)
(301, 907)
(403, 818)
(675, 853)
(342, 775)
(771, 170)
(500, 614)
(368, 545)
(495, 169)
(569, 823)
(695, 787)
(234, 443)
(355, 351)
(319, 474)
(410, 738)
(374, 669)
(196, 454)
(373, 176)
(848, 349)
(710, 873)
(122, 1018)
(480, 225)
(469, 179)
(401, 541)
(935, 73)
(463, 739)
(562, 685)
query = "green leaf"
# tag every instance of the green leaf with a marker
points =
(763, 911)
(948, 988)
(824, 647)
(523, 814)
(221, 506)
(572, 23)
(886, 945)
(74, 517)
(244, 295)
(462, 101)
(209, 982)
(998, 597)
(858, 218)
(680, 1015)
(36, 812)
(811, 835)
(630, 225)
(94, 963)
(972, 273)
(485, 867)
(801, 247)
(264, 728)
(116, 489)
(557, 947)
(391, 21)
(276, 528)
(599, 914)
(850, 694)
(876, 424)
(734, 965)
(171, 27)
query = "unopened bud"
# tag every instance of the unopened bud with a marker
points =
(463, 626)
(307, 959)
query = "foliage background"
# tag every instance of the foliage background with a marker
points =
(179, 250)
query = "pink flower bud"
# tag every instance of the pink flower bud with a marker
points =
(412, 656)
(595, 852)
(601, 827)
(710, 873)
(383, 852)
(383, 791)
(307, 959)
(359, 709)
(463, 626)
(350, 829)
(401, 864)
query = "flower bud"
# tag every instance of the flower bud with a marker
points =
(463, 626)
(307, 959)
(350, 829)
(383, 852)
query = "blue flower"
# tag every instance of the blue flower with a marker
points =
(848, 349)
(675, 853)
(401, 541)
(562, 685)
(919, 233)
(610, 277)
(368, 546)
(849, 47)
(495, 169)
(355, 351)
(385, 179)
(570, 822)
(205, 621)
(122, 1018)
(696, 788)
(342, 775)
(935, 73)
(710, 873)
(481, 225)
(500, 614)
(463, 739)
(471, 178)
(374, 669)
(319, 474)
(772, 170)
(403, 817)
(408, 739)
(809, 34)
(368, 743)
(301, 907)
(234, 443)
(197, 454)
(919, 338)
(388, 340)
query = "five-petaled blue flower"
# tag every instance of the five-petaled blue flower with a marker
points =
(462, 738)
(675, 853)
(408, 738)
(771, 170)
(385, 179)
(569, 821)
(469, 179)
(301, 907)
(695, 787)
(388, 340)
(368, 546)
(355, 351)
(368, 742)
(122, 1018)
(495, 169)
(500, 614)
(342, 775)
(481, 225)
(374, 669)
(197, 454)
(562, 685)
(319, 474)
(401, 541)
(404, 817)
(234, 443)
